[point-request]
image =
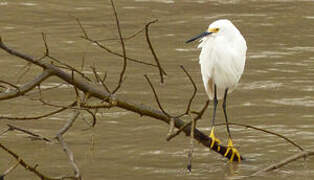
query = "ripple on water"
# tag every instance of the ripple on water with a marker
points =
(301, 48)
(84, 8)
(54, 85)
(260, 85)
(186, 49)
(28, 4)
(306, 101)
(160, 1)
(3, 3)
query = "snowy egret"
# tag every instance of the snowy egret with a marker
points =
(222, 61)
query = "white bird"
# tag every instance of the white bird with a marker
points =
(222, 61)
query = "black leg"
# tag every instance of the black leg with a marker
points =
(224, 106)
(215, 107)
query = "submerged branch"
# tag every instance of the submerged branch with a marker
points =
(30, 168)
(284, 162)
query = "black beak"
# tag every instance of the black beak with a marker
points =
(199, 36)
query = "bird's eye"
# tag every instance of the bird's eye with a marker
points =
(216, 30)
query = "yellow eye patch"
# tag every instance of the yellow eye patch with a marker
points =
(213, 30)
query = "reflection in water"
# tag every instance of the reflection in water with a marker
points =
(276, 92)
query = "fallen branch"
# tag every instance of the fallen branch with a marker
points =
(96, 92)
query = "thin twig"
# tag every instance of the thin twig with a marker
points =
(66, 149)
(133, 35)
(25, 69)
(46, 45)
(12, 85)
(98, 79)
(266, 131)
(69, 124)
(122, 74)
(93, 117)
(153, 51)
(69, 67)
(156, 96)
(40, 116)
(5, 131)
(86, 37)
(37, 136)
(188, 108)
(194, 92)
(199, 116)
(27, 87)
(32, 169)
(171, 127)
(190, 154)
(9, 170)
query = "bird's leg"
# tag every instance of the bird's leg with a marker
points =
(233, 150)
(212, 133)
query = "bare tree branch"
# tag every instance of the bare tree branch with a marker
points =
(38, 117)
(194, 92)
(102, 81)
(66, 149)
(5, 131)
(33, 135)
(69, 124)
(32, 169)
(123, 49)
(9, 170)
(190, 153)
(47, 54)
(133, 35)
(103, 95)
(10, 84)
(266, 131)
(156, 96)
(153, 51)
(27, 87)
(199, 116)
(86, 37)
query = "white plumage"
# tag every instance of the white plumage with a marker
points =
(222, 61)
(222, 58)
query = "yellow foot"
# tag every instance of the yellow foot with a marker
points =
(234, 151)
(214, 139)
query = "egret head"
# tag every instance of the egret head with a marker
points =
(222, 27)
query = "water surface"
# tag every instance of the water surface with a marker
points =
(275, 92)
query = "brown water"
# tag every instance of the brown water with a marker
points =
(275, 92)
